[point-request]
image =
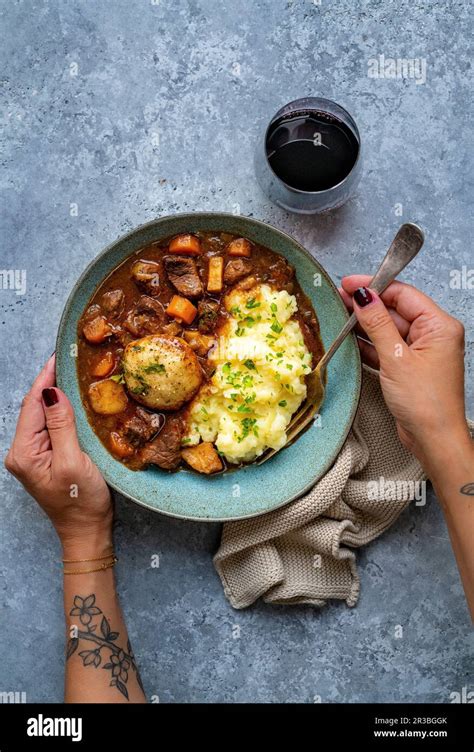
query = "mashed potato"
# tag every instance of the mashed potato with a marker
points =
(261, 360)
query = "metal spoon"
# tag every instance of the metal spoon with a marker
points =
(405, 246)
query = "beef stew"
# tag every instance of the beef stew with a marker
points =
(172, 290)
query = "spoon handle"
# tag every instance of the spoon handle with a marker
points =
(404, 247)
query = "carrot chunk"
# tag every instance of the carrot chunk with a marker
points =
(97, 330)
(215, 275)
(120, 446)
(185, 244)
(239, 247)
(181, 309)
(104, 366)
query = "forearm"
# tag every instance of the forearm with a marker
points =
(100, 666)
(452, 473)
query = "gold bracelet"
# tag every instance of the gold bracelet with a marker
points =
(80, 561)
(96, 569)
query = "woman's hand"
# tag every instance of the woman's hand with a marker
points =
(46, 458)
(419, 349)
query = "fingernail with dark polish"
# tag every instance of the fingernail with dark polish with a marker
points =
(50, 397)
(363, 297)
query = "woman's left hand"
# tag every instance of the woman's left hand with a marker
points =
(46, 458)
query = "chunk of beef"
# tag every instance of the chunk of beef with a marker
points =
(173, 329)
(148, 305)
(280, 273)
(247, 283)
(308, 315)
(92, 312)
(142, 427)
(208, 367)
(183, 274)
(112, 302)
(146, 317)
(208, 311)
(236, 269)
(122, 336)
(165, 449)
(147, 277)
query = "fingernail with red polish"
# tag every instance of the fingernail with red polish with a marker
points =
(363, 297)
(50, 397)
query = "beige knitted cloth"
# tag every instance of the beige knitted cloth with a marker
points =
(303, 552)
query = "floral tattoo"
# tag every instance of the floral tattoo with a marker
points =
(120, 661)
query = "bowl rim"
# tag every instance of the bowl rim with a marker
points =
(189, 216)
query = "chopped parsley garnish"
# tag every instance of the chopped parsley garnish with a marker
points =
(276, 327)
(274, 308)
(283, 403)
(252, 303)
(155, 368)
(250, 365)
(142, 389)
(232, 377)
(244, 408)
(248, 425)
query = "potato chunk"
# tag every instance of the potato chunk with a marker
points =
(215, 275)
(107, 397)
(201, 343)
(203, 458)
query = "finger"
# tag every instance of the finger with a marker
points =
(346, 298)
(368, 353)
(409, 302)
(375, 319)
(32, 419)
(402, 324)
(61, 426)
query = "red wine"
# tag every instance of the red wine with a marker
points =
(311, 150)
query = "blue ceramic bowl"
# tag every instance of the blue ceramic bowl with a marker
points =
(251, 490)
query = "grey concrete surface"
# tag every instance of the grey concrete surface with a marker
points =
(122, 111)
